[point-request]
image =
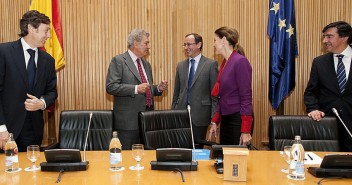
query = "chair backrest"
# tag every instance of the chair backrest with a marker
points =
(316, 136)
(165, 129)
(74, 126)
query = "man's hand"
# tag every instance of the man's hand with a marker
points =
(3, 139)
(163, 85)
(32, 103)
(316, 115)
(142, 88)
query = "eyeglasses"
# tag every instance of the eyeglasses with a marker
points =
(188, 44)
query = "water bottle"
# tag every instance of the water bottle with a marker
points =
(115, 153)
(11, 155)
(296, 168)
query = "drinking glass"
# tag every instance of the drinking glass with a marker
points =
(286, 156)
(33, 154)
(137, 154)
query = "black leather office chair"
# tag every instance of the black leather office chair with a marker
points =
(73, 130)
(316, 136)
(167, 129)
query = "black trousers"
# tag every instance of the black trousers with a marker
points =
(128, 138)
(230, 129)
(27, 135)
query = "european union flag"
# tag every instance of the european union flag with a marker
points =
(283, 49)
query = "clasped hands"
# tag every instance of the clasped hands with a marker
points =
(143, 87)
(32, 103)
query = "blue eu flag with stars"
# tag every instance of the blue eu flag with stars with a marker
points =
(283, 49)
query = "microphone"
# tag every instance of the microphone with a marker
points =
(343, 123)
(190, 123)
(85, 144)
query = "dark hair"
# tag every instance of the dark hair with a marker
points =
(231, 36)
(197, 39)
(34, 18)
(343, 29)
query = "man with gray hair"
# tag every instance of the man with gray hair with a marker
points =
(130, 80)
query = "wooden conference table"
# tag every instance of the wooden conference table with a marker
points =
(263, 168)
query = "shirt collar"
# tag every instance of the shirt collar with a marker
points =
(347, 52)
(196, 59)
(26, 46)
(133, 56)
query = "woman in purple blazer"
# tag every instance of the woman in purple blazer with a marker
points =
(233, 89)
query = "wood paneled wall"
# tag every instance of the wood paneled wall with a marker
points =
(96, 30)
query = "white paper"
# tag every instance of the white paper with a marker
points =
(312, 158)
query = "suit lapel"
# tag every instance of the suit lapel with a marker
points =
(17, 53)
(40, 67)
(148, 71)
(132, 67)
(184, 71)
(349, 80)
(332, 71)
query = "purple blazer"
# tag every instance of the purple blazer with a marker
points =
(235, 93)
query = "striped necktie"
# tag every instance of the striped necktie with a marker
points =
(341, 73)
(144, 80)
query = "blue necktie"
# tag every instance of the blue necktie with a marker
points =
(190, 78)
(341, 73)
(31, 69)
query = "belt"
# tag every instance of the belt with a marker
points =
(149, 108)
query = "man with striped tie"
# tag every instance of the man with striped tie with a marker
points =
(330, 83)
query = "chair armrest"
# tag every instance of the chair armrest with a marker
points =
(51, 146)
(205, 142)
(146, 147)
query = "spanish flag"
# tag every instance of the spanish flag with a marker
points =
(54, 45)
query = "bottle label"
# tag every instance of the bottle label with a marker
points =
(115, 158)
(300, 168)
(8, 161)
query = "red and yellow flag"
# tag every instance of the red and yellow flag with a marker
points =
(54, 45)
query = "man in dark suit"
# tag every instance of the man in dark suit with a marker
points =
(27, 82)
(130, 80)
(195, 89)
(330, 83)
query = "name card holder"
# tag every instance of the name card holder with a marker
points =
(235, 164)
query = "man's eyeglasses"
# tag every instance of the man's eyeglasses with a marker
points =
(188, 44)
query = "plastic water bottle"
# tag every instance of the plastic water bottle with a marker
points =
(11, 155)
(296, 168)
(115, 153)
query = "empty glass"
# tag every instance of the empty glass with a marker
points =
(286, 156)
(137, 154)
(33, 154)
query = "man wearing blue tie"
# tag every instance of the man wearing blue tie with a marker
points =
(27, 82)
(194, 80)
(330, 83)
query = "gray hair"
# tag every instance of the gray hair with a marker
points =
(136, 35)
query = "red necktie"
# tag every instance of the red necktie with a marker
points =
(144, 80)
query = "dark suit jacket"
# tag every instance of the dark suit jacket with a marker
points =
(201, 102)
(323, 92)
(121, 80)
(14, 87)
